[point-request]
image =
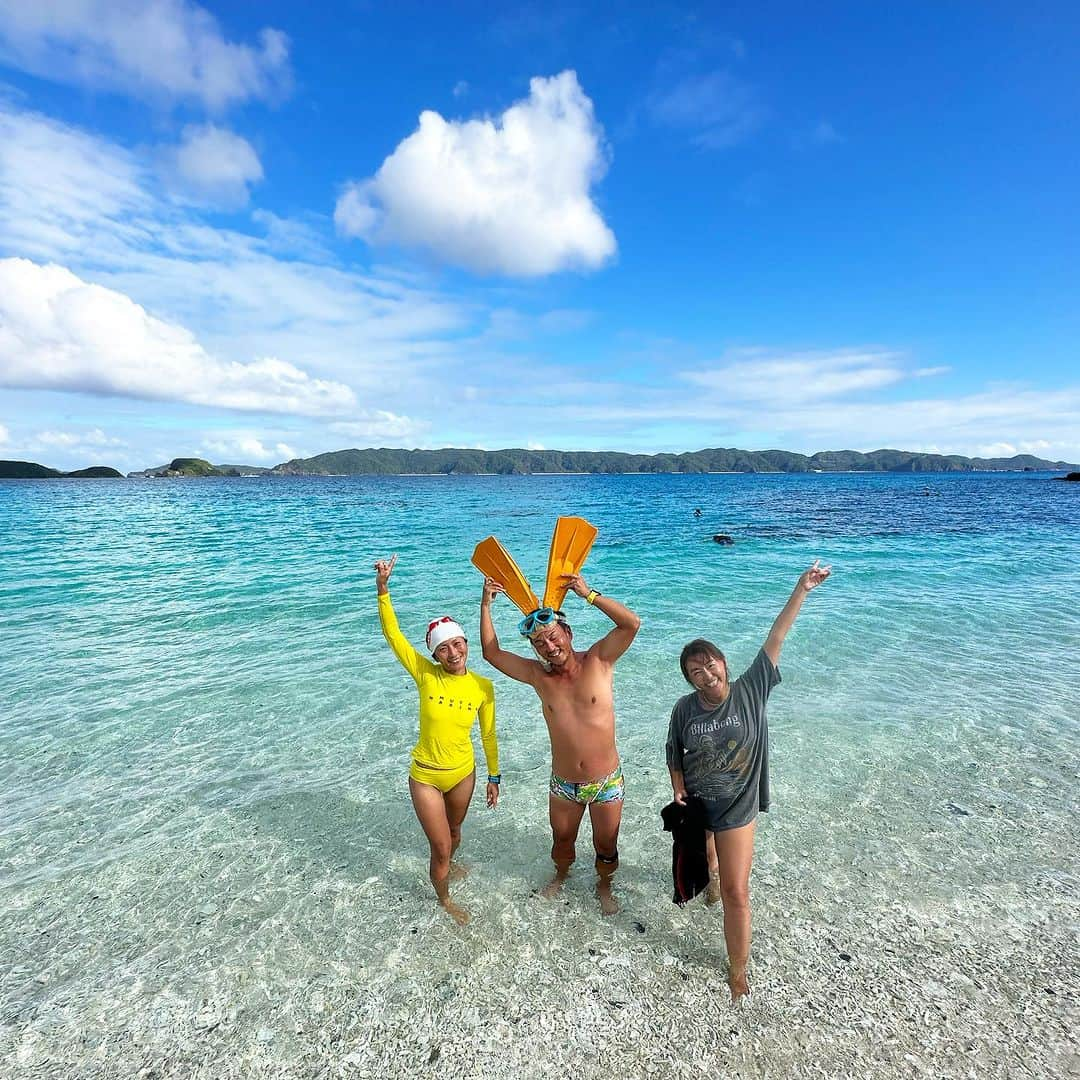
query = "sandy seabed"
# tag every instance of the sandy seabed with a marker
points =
(267, 944)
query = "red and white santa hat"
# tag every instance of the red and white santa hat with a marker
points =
(440, 630)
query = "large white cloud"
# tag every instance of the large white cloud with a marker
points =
(58, 332)
(213, 165)
(510, 195)
(160, 49)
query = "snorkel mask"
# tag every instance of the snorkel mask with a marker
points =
(540, 618)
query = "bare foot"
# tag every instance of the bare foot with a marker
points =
(712, 891)
(608, 904)
(553, 887)
(457, 872)
(739, 986)
(458, 914)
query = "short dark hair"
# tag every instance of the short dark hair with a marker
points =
(699, 647)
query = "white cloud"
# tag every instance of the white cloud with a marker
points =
(5, 435)
(769, 406)
(507, 196)
(92, 206)
(213, 165)
(291, 236)
(380, 424)
(246, 449)
(159, 49)
(67, 440)
(57, 185)
(354, 213)
(58, 332)
(1038, 447)
(798, 377)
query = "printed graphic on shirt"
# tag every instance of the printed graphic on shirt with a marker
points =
(724, 756)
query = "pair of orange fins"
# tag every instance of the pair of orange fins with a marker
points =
(570, 545)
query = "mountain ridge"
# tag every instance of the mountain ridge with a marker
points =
(451, 461)
(385, 461)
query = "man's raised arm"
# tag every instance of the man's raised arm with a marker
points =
(517, 667)
(617, 640)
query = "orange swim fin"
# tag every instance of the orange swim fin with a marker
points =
(570, 545)
(493, 561)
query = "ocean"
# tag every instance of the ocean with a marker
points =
(210, 866)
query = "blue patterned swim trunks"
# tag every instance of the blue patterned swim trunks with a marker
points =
(607, 789)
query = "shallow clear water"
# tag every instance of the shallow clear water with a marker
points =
(208, 858)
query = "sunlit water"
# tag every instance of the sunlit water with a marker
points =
(209, 864)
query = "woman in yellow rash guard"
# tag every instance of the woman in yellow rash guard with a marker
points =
(443, 771)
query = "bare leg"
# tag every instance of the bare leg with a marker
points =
(457, 801)
(430, 807)
(712, 891)
(735, 852)
(565, 819)
(605, 818)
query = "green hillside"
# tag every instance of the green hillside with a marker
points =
(519, 462)
(25, 470)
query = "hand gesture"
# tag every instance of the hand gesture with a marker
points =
(491, 589)
(576, 583)
(383, 569)
(812, 578)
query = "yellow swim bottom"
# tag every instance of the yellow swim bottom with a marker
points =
(443, 779)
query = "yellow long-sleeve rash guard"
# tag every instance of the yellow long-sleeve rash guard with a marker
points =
(448, 704)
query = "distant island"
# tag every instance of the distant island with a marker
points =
(451, 462)
(193, 466)
(514, 462)
(29, 470)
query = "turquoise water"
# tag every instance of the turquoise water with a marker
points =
(208, 859)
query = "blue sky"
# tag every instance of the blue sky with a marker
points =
(252, 232)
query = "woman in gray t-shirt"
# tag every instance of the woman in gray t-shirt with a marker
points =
(718, 751)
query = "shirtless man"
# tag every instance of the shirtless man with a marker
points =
(575, 690)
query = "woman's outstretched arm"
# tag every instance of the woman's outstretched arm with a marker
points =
(808, 580)
(407, 656)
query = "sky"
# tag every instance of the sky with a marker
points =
(252, 232)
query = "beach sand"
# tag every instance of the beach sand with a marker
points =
(279, 955)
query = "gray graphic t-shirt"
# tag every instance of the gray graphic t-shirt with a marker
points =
(723, 753)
